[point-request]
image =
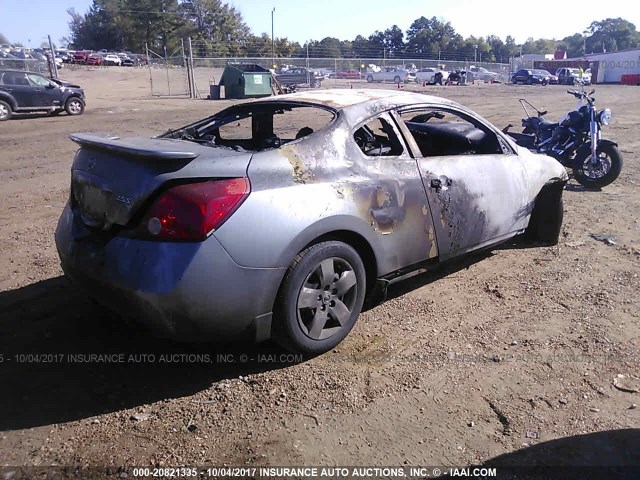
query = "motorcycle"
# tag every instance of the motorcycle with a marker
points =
(575, 141)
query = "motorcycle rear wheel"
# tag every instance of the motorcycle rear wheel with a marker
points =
(601, 175)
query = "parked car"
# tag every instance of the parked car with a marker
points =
(482, 74)
(112, 59)
(553, 80)
(22, 92)
(300, 76)
(350, 75)
(81, 56)
(141, 59)
(391, 74)
(128, 62)
(10, 61)
(95, 59)
(572, 76)
(428, 75)
(532, 76)
(255, 222)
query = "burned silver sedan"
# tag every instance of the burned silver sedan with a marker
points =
(279, 217)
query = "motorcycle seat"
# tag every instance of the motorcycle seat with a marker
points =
(547, 125)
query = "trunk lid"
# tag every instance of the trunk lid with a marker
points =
(112, 178)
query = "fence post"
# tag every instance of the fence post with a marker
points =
(166, 67)
(146, 47)
(193, 78)
(186, 67)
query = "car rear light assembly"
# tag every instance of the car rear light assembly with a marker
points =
(190, 212)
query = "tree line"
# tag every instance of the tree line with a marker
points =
(218, 30)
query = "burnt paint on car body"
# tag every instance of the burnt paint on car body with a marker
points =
(381, 191)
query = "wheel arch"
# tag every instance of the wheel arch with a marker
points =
(550, 193)
(344, 229)
(9, 99)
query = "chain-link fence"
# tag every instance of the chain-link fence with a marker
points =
(28, 64)
(341, 72)
(168, 74)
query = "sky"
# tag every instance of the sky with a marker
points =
(30, 21)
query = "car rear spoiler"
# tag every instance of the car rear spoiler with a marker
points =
(156, 148)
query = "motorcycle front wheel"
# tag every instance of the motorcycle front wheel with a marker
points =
(601, 172)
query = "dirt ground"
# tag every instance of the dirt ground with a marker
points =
(507, 358)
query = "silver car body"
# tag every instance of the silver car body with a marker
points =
(308, 189)
(390, 74)
(428, 75)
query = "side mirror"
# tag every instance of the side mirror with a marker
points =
(51, 85)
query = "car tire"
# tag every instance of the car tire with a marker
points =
(545, 222)
(74, 106)
(369, 79)
(397, 79)
(320, 298)
(5, 111)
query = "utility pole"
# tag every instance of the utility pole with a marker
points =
(273, 42)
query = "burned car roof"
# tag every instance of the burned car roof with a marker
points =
(360, 103)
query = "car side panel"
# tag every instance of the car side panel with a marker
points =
(322, 184)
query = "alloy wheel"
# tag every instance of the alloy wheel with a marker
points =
(75, 107)
(327, 298)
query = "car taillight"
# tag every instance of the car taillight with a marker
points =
(192, 211)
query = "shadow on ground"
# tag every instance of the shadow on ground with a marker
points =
(49, 329)
(611, 454)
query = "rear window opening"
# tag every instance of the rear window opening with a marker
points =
(258, 126)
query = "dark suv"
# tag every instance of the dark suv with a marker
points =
(22, 92)
(300, 76)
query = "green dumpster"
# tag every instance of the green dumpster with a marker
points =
(246, 81)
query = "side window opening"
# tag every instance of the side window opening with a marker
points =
(38, 81)
(377, 138)
(256, 127)
(441, 133)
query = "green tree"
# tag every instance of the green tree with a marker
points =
(611, 34)
(431, 36)
(394, 41)
(574, 45)
(216, 27)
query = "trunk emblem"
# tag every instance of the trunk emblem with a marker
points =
(123, 199)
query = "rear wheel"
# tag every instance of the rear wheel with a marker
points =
(74, 106)
(320, 299)
(5, 111)
(369, 79)
(396, 79)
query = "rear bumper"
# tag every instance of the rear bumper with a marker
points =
(189, 291)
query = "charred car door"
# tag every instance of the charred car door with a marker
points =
(390, 194)
(475, 182)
